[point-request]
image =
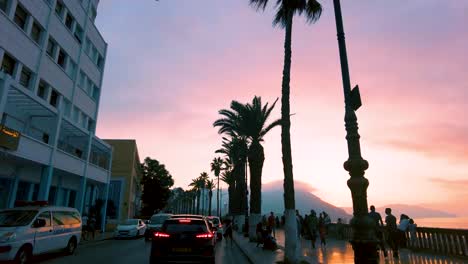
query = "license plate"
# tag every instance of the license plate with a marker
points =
(182, 250)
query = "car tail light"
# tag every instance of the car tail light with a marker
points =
(185, 221)
(161, 235)
(205, 235)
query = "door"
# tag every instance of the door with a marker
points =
(61, 235)
(44, 241)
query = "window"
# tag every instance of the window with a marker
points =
(8, 64)
(20, 17)
(36, 33)
(25, 77)
(88, 46)
(61, 58)
(71, 68)
(59, 8)
(90, 125)
(52, 195)
(89, 87)
(66, 107)
(84, 120)
(71, 199)
(78, 33)
(81, 83)
(51, 45)
(45, 215)
(3, 5)
(45, 138)
(96, 93)
(54, 98)
(76, 113)
(100, 62)
(69, 21)
(66, 218)
(42, 89)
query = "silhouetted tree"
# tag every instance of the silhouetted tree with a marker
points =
(156, 182)
(216, 167)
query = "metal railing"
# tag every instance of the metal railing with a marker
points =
(444, 241)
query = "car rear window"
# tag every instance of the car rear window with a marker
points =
(185, 226)
(159, 219)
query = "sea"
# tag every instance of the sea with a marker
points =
(448, 222)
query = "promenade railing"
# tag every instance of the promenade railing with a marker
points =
(444, 241)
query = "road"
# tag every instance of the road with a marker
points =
(133, 251)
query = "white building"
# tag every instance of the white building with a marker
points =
(52, 62)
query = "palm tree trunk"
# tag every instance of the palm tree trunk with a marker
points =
(231, 190)
(256, 160)
(210, 196)
(198, 201)
(218, 212)
(291, 236)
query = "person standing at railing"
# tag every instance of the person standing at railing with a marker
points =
(412, 230)
(402, 228)
(392, 231)
(312, 226)
(378, 228)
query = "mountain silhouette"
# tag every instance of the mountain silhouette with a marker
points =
(413, 211)
(273, 201)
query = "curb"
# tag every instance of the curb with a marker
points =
(243, 252)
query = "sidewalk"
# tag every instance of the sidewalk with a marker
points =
(257, 255)
(98, 237)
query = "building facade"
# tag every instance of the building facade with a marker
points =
(125, 185)
(52, 63)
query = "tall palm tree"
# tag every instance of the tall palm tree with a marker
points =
(286, 9)
(197, 185)
(210, 185)
(228, 178)
(216, 167)
(235, 149)
(203, 180)
(250, 120)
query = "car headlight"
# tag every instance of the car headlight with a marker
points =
(7, 237)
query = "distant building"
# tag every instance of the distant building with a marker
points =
(125, 185)
(51, 70)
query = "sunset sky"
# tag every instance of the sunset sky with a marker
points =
(171, 65)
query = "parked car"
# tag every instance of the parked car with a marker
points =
(183, 240)
(36, 228)
(130, 228)
(154, 224)
(217, 226)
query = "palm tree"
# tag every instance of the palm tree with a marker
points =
(216, 167)
(286, 9)
(236, 151)
(210, 185)
(197, 185)
(250, 120)
(228, 178)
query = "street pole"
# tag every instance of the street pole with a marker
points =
(364, 241)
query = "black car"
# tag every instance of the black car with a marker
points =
(183, 240)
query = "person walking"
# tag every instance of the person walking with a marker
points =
(228, 232)
(92, 225)
(392, 231)
(326, 221)
(84, 227)
(322, 230)
(271, 224)
(312, 225)
(299, 223)
(378, 228)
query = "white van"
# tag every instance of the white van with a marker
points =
(32, 230)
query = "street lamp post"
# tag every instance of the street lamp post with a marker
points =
(364, 241)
